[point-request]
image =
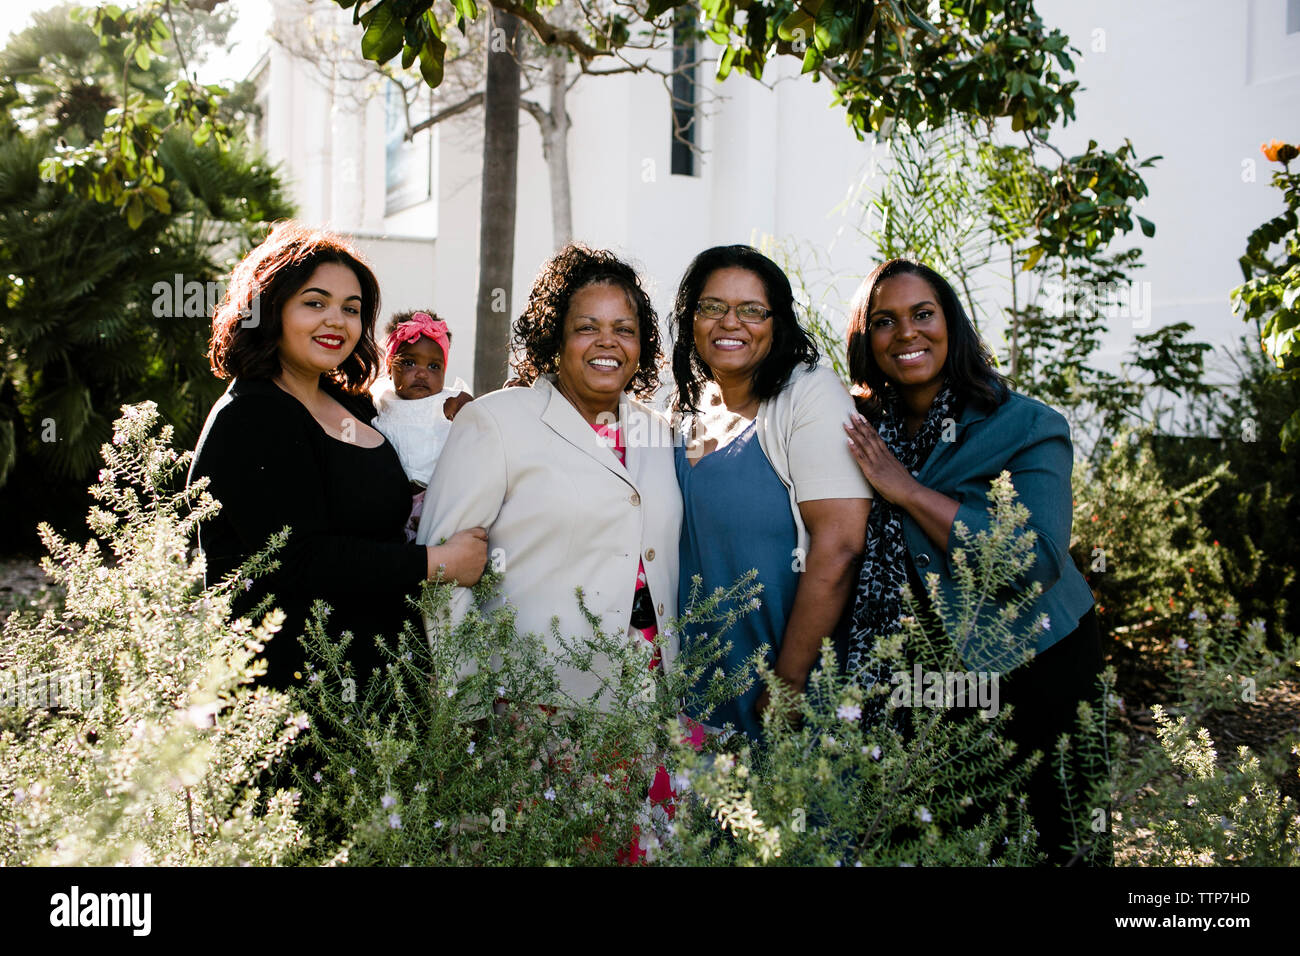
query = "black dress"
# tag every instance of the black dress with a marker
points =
(270, 464)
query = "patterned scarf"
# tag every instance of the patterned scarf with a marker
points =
(878, 602)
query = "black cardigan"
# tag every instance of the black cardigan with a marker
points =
(270, 464)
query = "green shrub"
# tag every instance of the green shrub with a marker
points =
(148, 749)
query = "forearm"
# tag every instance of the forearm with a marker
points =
(932, 511)
(825, 588)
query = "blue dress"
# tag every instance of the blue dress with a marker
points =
(737, 518)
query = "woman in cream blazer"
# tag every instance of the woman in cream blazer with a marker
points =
(562, 511)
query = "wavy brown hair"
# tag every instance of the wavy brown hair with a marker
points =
(246, 325)
(539, 331)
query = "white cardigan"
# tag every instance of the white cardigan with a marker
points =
(562, 512)
(801, 431)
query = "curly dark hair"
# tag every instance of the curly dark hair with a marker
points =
(539, 331)
(791, 344)
(246, 325)
(969, 368)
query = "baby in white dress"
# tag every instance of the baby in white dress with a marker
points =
(415, 408)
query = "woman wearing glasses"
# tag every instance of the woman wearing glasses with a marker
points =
(767, 480)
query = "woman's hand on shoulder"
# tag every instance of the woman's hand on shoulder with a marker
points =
(461, 558)
(886, 473)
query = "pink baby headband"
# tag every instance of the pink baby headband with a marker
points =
(419, 324)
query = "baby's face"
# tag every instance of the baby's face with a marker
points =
(418, 369)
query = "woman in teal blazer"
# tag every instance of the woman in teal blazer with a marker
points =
(940, 424)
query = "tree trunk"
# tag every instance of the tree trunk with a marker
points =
(496, 254)
(1013, 356)
(556, 143)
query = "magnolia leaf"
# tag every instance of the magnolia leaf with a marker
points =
(384, 34)
(431, 60)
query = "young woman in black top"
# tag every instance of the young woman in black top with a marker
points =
(290, 443)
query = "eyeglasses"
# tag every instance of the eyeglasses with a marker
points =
(746, 311)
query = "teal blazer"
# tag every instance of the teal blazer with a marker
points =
(1032, 442)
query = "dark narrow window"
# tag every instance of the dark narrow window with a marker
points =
(684, 125)
(1293, 16)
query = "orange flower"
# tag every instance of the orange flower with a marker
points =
(1279, 152)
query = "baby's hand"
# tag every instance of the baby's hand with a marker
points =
(454, 404)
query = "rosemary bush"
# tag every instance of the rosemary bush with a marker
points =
(464, 748)
(149, 750)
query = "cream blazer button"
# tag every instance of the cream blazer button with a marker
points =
(649, 554)
(635, 499)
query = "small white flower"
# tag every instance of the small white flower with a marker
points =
(421, 788)
(437, 824)
(470, 748)
(313, 677)
(408, 656)
(924, 815)
(352, 771)
(317, 777)
(1045, 623)
(1180, 644)
(549, 793)
(501, 691)
(875, 752)
(248, 585)
(388, 801)
(451, 692)
(394, 821)
(849, 712)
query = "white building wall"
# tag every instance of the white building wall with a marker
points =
(1201, 83)
(1196, 81)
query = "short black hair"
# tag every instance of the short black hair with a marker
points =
(791, 344)
(969, 368)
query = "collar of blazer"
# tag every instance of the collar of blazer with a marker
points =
(567, 422)
(938, 457)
